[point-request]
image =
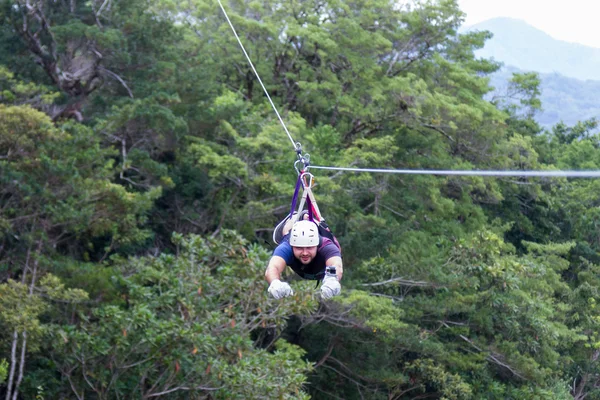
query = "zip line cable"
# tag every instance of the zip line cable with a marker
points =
(565, 174)
(296, 146)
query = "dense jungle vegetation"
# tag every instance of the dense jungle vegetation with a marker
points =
(142, 171)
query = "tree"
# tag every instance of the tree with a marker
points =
(55, 195)
(192, 324)
(86, 46)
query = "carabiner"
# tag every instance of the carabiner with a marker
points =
(296, 168)
(305, 160)
(310, 182)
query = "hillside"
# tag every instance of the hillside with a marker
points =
(520, 45)
(563, 99)
(569, 72)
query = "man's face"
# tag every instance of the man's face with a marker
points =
(305, 254)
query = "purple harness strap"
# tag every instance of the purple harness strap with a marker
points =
(295, 198)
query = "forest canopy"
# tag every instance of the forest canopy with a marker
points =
(142, 171)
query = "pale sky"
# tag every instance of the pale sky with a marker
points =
(576, 21)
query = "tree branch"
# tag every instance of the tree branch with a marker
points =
(494, 358)
(404, 282)
(117, 77)
(327, 353)
(184, 388)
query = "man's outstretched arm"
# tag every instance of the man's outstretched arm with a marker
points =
(338, 264)
(277, 288)
(275, 269)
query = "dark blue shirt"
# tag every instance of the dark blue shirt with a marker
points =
(315, 270)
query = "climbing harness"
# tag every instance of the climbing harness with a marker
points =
(306, 182)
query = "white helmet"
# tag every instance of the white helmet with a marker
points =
(304, 234)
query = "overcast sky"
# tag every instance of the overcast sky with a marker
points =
(572, 20)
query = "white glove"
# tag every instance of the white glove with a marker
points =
(279, 289)
(330, 287)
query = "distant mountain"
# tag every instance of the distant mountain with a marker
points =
(520, 45)
(569, 72)
(563, 99)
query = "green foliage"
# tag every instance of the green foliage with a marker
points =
(24, 310)
(3, 370)
(21, 130)
(383, 315)
(186, 326)
(59, 180)
(19, 309)
(13, 91)
(146, 132)
(454, 287)
(450, 386)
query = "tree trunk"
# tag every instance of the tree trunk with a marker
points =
(13, 359)
(21, 366)
(13, 364)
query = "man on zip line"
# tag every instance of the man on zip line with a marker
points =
(309, 254)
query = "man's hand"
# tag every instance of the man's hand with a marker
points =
(330, 287)
(279, 289)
